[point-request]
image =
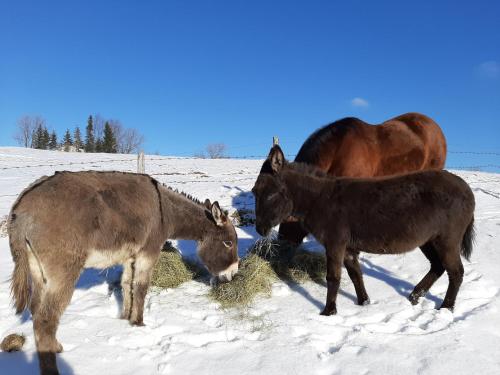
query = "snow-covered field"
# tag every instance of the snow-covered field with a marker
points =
(187, 333)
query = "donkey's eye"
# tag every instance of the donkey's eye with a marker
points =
(227, 243)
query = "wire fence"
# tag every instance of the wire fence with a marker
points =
(224, 178)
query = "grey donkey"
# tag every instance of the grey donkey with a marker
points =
(70, 221)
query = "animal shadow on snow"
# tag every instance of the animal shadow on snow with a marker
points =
(19, 363)
(402, 287)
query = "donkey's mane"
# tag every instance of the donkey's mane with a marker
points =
(184, 194)
(309, 152)
(307, 169)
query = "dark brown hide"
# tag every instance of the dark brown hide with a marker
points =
(352, 148)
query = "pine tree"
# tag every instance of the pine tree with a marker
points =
(89, 136)
(78, 140)
(34, 139)
(67, 142)
(109, 141)
(98, 145)
(53, 141)
(38, 144)
(45, 139)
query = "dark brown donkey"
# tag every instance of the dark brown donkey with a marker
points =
(73, 220)
(433, 210)
(352, 148)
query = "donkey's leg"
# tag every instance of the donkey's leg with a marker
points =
(53, 300)
(334, 260)
(430, 278)
(126, 282)
(455, 270)
(351, 263)
(143, 269)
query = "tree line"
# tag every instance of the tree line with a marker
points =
(101, 135)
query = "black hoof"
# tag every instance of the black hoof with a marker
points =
(329, 311)
(364, 302)
(445, 306)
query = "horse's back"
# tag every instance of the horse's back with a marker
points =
(353, 148)
(410, 142)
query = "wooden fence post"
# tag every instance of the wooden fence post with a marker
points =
(141, 168)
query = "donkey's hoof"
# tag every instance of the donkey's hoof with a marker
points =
(327, 311)
(364, 302)
(446, 306)
(137, 323)
(413, 298)
(59, 347)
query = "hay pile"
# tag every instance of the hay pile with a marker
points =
(255, 276)
(265, 262)
(291, 263)
(172, 269)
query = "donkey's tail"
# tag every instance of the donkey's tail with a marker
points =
(20, 282)
(468, 240)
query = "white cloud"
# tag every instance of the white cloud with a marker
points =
(359, 103)
(489, 69)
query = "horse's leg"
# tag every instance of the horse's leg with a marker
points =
(452, 263)
(334, 260)
(292, 231)
(351, 263)
(143, 268)
(52, 302)
(430, 278)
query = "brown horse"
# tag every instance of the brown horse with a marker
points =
(433, 210)
(352, 148)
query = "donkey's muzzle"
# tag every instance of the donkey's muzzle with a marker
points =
(228, 273)
(263, 230)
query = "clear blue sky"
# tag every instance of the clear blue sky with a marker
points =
(189, 73)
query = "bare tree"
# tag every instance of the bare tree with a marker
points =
(216, 150)
(127, 140)
(131, 141)
(98, 126)
(26, 127)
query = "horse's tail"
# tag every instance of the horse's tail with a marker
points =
(468, 240)
(20, 282)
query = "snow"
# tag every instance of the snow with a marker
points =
(186, 332)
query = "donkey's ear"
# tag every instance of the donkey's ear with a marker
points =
(207, 204)
(217, 214)
(277, 159)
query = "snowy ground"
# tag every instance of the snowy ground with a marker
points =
(188, 333)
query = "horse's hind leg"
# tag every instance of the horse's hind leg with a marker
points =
(430, 278)
(351, 263)
(53, 299)
(292, 231)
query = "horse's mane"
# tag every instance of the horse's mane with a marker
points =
(310, 150)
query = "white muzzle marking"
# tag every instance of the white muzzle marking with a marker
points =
(229, 272)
